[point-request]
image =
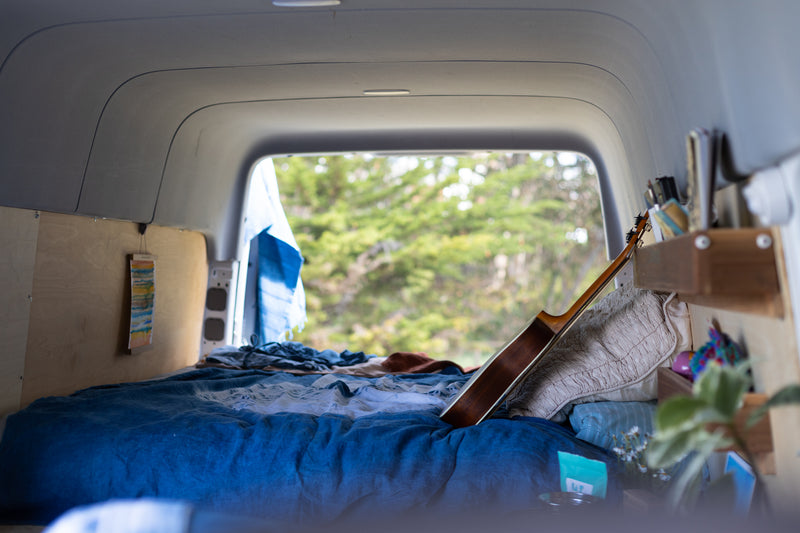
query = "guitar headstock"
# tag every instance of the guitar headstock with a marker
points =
(639, 227)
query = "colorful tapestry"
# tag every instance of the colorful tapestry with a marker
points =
(143, 298)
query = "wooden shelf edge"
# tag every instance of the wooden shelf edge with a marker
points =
(767, 304)
(736, 270)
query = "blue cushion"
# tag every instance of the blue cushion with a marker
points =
(599, 422)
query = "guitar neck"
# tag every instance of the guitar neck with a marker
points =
(560, 322)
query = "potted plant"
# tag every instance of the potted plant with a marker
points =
(692, 427)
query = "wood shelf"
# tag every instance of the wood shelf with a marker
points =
(726, 268)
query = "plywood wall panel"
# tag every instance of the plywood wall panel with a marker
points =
(18, 234)
(772, 347)
(81, 293)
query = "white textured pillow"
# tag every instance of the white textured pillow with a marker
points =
(611, 353)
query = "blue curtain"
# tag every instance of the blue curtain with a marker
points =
(279, 266)
(281, 302)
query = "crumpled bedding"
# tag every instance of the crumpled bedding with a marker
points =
(611, 353)
(297, 358)
(180, 438)
(350, 396)
(287, 355)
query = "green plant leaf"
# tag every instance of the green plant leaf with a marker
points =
(665, 449)
(680, 428)
(678, 413)
(788, 395)
(733, 384)
(722, 387)
(684, 489)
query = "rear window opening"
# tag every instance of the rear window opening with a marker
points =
(447, 255)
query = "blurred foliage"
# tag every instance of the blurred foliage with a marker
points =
(450, 256)
(692, 427)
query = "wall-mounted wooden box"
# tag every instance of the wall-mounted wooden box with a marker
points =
(727, 268)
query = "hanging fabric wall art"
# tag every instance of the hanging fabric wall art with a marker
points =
(143, 299)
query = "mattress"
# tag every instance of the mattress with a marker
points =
(292, 449)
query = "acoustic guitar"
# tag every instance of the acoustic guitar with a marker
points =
(507, 368)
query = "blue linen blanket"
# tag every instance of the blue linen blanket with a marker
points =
(224, 440)
(285, 355)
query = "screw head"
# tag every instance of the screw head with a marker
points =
(702, 242)
(763, 241)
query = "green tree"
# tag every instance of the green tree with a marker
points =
(444, 255)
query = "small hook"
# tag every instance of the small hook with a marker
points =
(725, 162)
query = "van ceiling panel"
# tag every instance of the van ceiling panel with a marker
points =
(151, 108)
(231, 128)
(82, 66)
(99, 99)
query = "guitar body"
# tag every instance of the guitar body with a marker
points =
(501, 374)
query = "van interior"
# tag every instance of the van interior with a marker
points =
(142, 229)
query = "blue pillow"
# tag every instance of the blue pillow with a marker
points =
(599, 422)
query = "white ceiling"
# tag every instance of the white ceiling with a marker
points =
(155, 111)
